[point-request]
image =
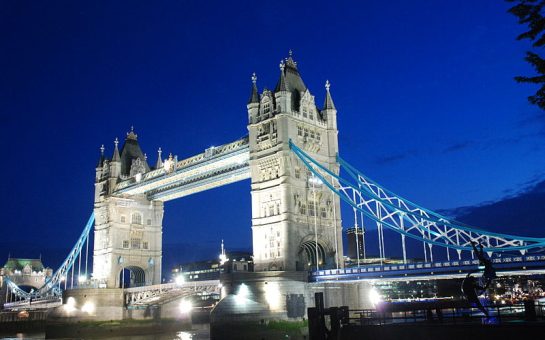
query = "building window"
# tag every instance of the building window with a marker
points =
(323, 212)
(126, 244)
(122, 218)
(136, 218)
(299, 131)
(271, 210)
(245, 267)
(135, 243)
(312, 134)
(303, 209)
(306, 133)
(145, 245)
(311, 114)
(297, 173)
(305, 111)
(318, 137)
(311, 208)
(149, 221)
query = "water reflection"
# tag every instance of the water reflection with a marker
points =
(203, 333)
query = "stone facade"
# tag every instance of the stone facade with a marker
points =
(287, 205)
(128, 230)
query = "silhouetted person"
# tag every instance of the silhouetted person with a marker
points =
(489, 273)
(472, 290)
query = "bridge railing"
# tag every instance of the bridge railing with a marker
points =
(154, 293)
(425, 265)
(458, 313)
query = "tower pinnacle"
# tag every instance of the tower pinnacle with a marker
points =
(159, 163)
(328, 103)
(101, 159)
(116, 157)
(254, 97)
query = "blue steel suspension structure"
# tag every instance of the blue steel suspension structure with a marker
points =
(408, 219)
(52, 287)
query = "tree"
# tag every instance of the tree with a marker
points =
(530, 13)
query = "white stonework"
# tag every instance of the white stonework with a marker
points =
(284, 201)
(128, 229)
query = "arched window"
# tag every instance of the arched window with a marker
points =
(136, 218)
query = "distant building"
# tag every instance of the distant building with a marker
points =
(211, 269)
(355, 242)
(25, 273)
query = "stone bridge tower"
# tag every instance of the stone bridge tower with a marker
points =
(290, 208)
(128, 229)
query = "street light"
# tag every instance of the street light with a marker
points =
(315, 181)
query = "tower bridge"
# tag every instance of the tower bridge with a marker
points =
(291, 156)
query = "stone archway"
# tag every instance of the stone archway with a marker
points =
(131, 276)
(311, 254)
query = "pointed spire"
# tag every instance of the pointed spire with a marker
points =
(159, 163)
(254, 97)
(282, 82)
(131, 134)
(289, 60)
(328, 103)
(101, 159)
(116, 157)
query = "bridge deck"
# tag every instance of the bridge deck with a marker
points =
(518, 265)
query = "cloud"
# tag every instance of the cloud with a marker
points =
(520, 213)
(459, 146)
(391, 158)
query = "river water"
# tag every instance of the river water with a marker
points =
(202, 332)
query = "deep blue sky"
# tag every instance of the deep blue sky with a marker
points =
(425, 93)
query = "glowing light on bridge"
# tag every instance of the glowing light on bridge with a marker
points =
(70, 305)
(185, 306)
(374, 296)
(242, 294)
(180, 280)
(272, 295)
(88, 308)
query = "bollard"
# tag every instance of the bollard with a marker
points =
(530, 310)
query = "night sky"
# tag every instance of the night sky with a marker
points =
(425, 93)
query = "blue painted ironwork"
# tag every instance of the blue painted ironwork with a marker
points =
(52, 286)
(408, 219)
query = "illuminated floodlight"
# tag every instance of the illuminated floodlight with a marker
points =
(272, 295)
(374, 297)
(138, 177)
(82, 278)
(63, 278)
(185, 306)
(70, 305)
(242, 294)
(315, 180)
(180, 280)
(88, 308)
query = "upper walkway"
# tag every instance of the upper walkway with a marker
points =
(215, 167)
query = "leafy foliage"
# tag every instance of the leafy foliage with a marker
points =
(530, 13)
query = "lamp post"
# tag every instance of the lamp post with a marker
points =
(315, 181)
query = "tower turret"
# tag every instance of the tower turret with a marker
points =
(100, 164)
(329, 112)
(282, 95)
(159, 163)
(253, 102)
(115, 167)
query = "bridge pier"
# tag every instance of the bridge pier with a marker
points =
(254, 299)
